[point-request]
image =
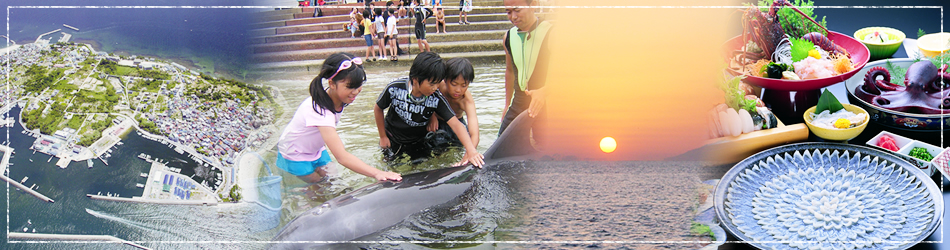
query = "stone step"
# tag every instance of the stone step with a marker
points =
(357, 42)
(305, 32)
(304, 15)
(270, 12)
(449, 10)
(344, 19)
(445, 3)
(315, 54)
(261, 18)
(339, 24)
(403, 29)
(300, 21)
(268, 69)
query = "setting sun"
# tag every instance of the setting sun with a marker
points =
(608, 144)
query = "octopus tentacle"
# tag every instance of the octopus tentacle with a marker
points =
(870, 80)
(923, 93)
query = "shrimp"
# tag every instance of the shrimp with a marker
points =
(811, 68)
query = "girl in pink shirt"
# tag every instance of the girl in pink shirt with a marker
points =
(302, 149)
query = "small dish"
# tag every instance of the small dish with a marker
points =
(922, 164)
(900, 141)
(942, 163)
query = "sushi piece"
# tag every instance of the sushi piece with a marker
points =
(768, 119)
(745, 119)
(735, 123)
(712, 118)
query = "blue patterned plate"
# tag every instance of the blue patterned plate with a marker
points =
(828, 196)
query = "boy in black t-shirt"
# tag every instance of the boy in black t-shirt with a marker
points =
(411, 102)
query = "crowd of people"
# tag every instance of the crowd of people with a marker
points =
(423, 113)
(378, 25)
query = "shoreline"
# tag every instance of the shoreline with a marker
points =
(184, 61)
(250, 167)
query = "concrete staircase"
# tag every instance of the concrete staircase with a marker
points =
(292, 39)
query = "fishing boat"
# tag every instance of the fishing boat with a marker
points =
(139, 185)
(89, 162)
(24, 179)
(144, 175)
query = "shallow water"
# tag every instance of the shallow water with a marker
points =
(556, 205)
(358, 130)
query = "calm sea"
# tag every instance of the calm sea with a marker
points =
(212, 39)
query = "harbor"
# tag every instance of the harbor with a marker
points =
(58, 145)
(150, 223)
(166, 185)
(40, 37)
(7, 152)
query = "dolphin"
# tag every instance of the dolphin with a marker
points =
(386, 203)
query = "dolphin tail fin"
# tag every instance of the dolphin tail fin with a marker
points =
(515, 141)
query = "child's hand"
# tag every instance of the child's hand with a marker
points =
(476, 159)
(384, 142)
(433, 126)
(433, 123)
(537, 101)
(387, 176)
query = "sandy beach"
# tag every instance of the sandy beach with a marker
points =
(8, 49)
(249, 166)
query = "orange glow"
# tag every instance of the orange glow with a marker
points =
(608, 144)
(645, 76)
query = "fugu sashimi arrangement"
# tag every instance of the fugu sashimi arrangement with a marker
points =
(826, 196)
(787, 43)
(743, 112)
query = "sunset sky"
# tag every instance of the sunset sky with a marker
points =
(644, 76)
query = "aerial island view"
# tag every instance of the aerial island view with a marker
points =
(78, 103)
(112, 135)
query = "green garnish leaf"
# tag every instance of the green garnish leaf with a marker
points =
(800, 48)
(827, 101)
(735, 98)
(920, 33)
(940, 59)
(897, 72)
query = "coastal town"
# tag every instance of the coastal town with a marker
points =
(79, 103)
